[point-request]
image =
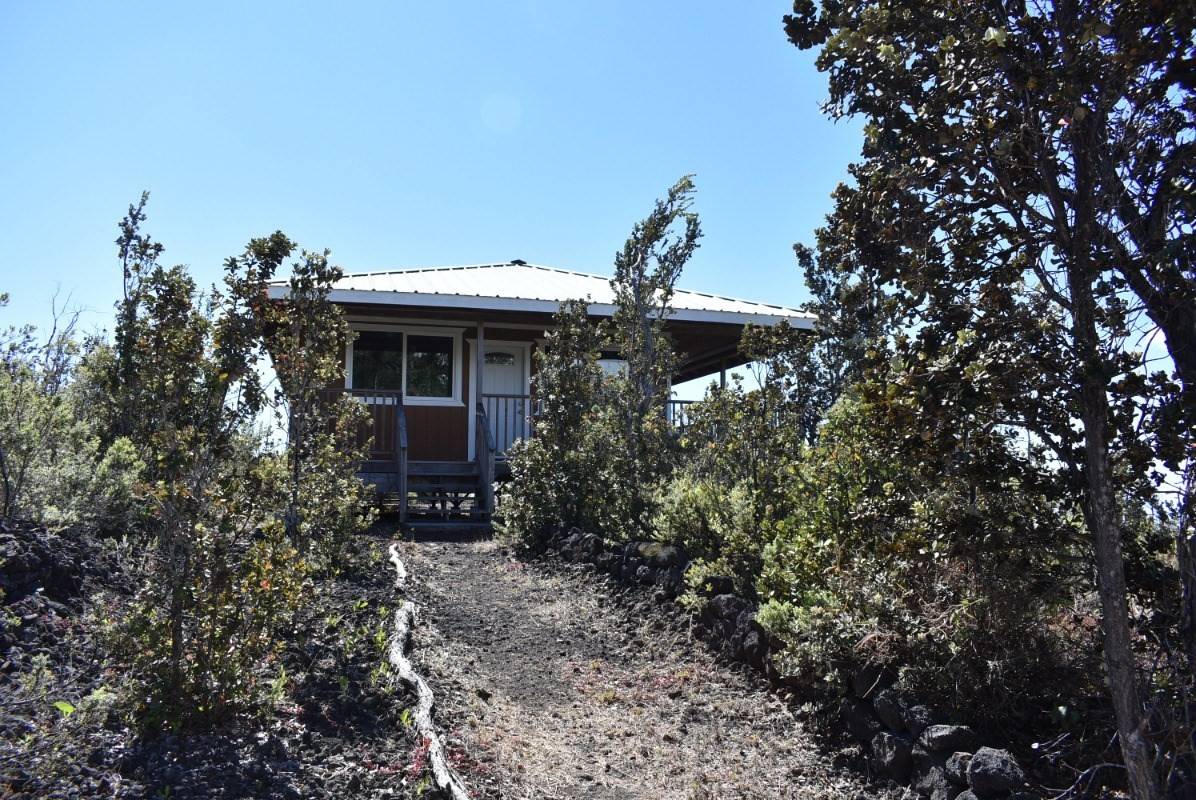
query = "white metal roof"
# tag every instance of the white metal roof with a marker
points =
(516, 286)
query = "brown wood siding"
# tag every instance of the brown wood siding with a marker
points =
(441, 433)
(437, 433)
(382, 426)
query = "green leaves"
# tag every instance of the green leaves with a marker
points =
(995, 36)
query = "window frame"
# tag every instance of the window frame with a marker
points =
(454, 400)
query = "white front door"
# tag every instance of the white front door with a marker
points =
(505, 392)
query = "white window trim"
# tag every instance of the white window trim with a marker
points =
(454, 401)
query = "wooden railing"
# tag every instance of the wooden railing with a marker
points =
(484, 448)
(510, 418)
(401, 445)
(387, 432)
(677, 412)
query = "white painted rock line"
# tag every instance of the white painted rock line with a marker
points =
(444, 776)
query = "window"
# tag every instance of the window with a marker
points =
(501, 359)
(612, 363)
(378, 360)
(423, 364)
(429, 366)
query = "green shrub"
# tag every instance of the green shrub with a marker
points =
(232, 527)
(553, 473)
(215, 658)
(717, 526)
(602, 444)
(954, 575)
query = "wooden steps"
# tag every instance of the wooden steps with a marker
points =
(427, 468)
(443, 497)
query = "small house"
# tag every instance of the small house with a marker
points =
(443, 357)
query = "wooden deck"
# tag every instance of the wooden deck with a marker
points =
(446, 493)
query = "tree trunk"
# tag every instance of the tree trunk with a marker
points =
(1100, 513)
(6, 485)
(296, 429)
(178, 597)
(1185, 555)
(1179, 327)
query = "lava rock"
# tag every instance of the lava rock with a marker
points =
(932, 782)
(994, 773)
(957, 768)
(892, 755)
(674, 580)
(33, 558)
(948, 738)
(754, 648)
(629, 568)
(728, 607)
(716, 585)
(590, 545)
(888, 706)
(860, 719)
(661, 556)
(918, 718)
(871, 678)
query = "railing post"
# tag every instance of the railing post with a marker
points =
(401, 450)
(480, 356)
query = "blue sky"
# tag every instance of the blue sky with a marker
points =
(404, 134)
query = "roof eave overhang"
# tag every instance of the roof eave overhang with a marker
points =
(471, 302)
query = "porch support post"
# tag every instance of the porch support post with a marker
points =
(722, 374)
(483, 452)
(480, 347)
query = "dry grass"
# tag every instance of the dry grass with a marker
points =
(556, 691)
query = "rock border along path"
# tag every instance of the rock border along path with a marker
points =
(444, 776)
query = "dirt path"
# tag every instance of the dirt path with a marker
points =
(557, 693)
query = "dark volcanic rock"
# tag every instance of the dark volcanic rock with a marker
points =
(661, 556)
(994, 773)
(728, 606)
(673, 580)
(860, 719)
(716, 585)
(892, 754)
(931, 781)
(919, 718)
(754, 648)
(948, 738)
(957, 768)
(887, 703)
(871, 678)
(33, 558)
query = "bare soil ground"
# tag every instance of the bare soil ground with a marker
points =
(558, 683)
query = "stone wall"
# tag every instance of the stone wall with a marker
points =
(904, 740)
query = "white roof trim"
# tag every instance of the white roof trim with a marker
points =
(373, 288)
